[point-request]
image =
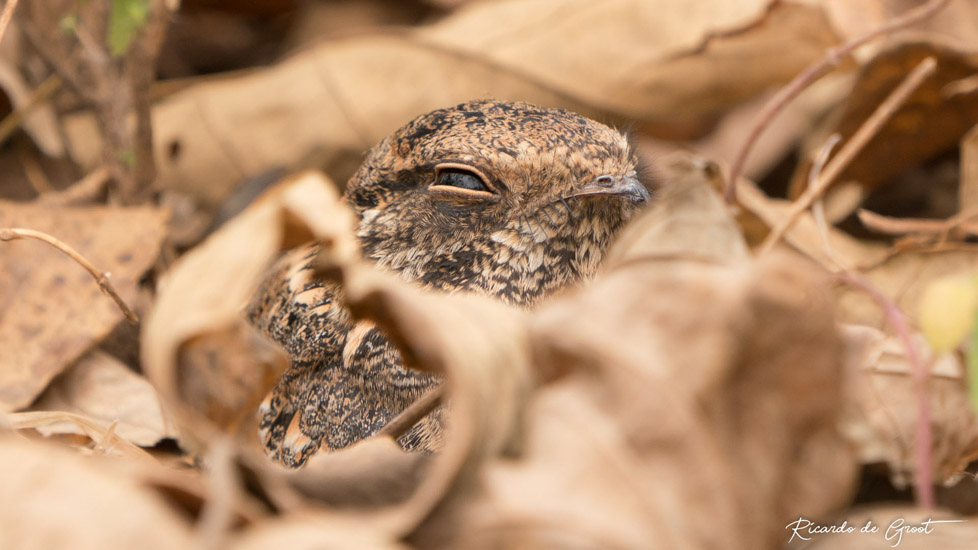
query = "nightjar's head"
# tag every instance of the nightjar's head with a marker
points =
(507, 199)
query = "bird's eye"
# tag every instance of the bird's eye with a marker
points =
(461, 178)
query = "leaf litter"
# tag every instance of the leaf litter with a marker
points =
(693, 378)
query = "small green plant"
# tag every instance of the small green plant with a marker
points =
(126, 19)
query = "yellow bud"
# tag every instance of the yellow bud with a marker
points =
(947, 311)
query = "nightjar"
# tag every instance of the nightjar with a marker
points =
(505, 199)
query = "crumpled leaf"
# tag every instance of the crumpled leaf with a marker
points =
(308, 533)
(51, 499)
(689, 220)
(52, 309)
(952, 25)
(225, 372)
(203, 296)
(932, 120)
(779, 138)
(883, 423)
(105, 390)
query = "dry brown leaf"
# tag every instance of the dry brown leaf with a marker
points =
(106, 441)
(884, 420)
(308, 532)
(328, 104)
(51, 499)
(102, 388)
(953, 25)
(777, 140)
(682, 61)
(894, 530)
(689, 221)
(226, 372)
(52, 309)
(689, 413)
(370, 473)
(203, 295)
(931, 121)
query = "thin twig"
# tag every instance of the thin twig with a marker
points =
(815, 71)
(413, 413)
(839, 162)
(923, 483)
(13, 121)
(83, 190)
(962, 221)
(818, 208)
(59, 64)
(12, 233)
(6, 16)
(32, 169)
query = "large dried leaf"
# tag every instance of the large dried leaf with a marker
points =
(52, 310)
(933, 118)
(689, 221)
(673, 61)
(884, 421)
(327, 104)
(671, 408)
(780, 137)
(309, 533)
(202, 297)
(100, 387)
(52, 499)
(953, 25)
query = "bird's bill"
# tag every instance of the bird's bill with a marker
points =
(625, 187)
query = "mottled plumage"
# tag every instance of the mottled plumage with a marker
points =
(504, 199)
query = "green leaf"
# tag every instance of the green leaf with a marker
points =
(128, 157)
(126, 18)
(69, 22)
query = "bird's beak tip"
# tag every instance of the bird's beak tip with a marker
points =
(626, 187)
